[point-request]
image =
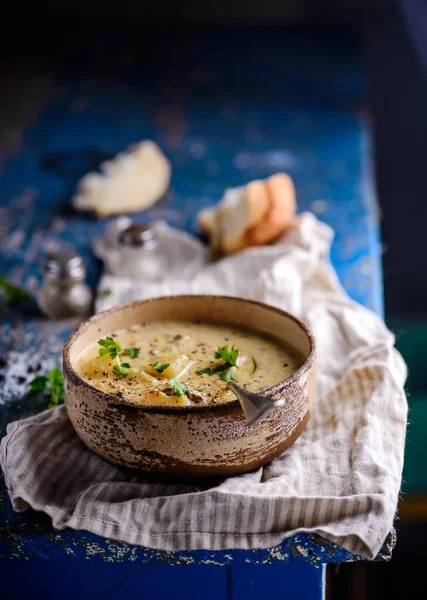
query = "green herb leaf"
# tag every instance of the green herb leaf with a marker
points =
(230, 360)
(179, 388)
(227, 355)
(213, 370)
(121, 371)
(106, 292)
(200, 389)
(160, 367)
(109, 346)
(12, 292)
(38, 384)
(121, 394)
(52, 384)
(227, 376)
(56, 388)
(132, 352)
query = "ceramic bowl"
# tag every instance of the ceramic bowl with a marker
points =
(190, 442)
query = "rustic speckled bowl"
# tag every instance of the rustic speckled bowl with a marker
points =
(190, 442)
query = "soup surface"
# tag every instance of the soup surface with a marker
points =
(184, 363)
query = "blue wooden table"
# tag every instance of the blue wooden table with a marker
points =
(226, 107)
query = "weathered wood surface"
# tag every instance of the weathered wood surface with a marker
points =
(226, 109)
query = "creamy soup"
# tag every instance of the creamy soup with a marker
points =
(181, 363)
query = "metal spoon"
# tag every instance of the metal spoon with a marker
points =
(255, 406)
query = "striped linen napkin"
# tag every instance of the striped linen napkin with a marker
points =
(341, 479)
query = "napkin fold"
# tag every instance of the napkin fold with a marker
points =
(341, 478)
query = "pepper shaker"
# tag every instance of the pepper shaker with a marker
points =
(140, 253)
(64, 293)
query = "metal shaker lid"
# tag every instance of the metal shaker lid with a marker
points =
(137, 235)
(64, 264)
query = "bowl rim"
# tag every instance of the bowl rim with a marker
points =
(281, 386)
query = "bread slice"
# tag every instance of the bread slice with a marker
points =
(239, 211)
(207, 219)
(280, 214)
(250, 215)
(134, 180)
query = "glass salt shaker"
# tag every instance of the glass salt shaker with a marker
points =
(64, 293)
(140, 253)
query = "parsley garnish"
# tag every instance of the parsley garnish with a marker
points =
(51, 384)
(227, 355)
(11, 292)
(106, 292)
(179, 388)
(200, 389)
(121, 371)
(132, 352)
(109, 346)
(160, 367)
(227, 376)
(213, 370)
(230, 360)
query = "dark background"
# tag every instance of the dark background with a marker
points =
(393, 39)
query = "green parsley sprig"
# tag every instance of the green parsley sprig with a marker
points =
(11, 292)
(213, 370)
(109, 346)
(113, 348)
(121, 371)
(180, 389)
(160, 367)
(229, 356)
(228, 375)
(51, 384)
(132, 352)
